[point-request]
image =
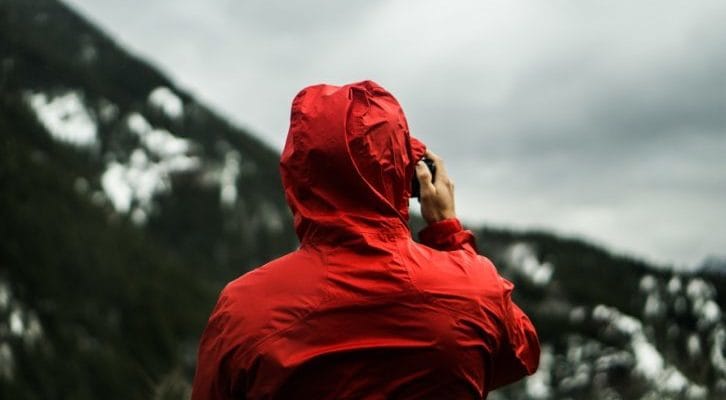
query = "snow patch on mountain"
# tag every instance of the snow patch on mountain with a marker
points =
(107, 111)
(648, 283)
(228, 178)
(523, 259)
(704, 307)
(132, 185)
(694, 345)
(65, 117)
(4, 296)
(158, 141)
(649, 363)
(167, 101)
(19, 322)
(674, 285)
(539, 385)
(135, 183)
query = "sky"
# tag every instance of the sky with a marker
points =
(604, 120)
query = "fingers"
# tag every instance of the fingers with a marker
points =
(442, 176)
(432, 156)
(424, 178)
(422, 172)
(437, 196)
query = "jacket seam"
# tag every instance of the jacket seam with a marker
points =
(325, 300)
(259, 342)
(428, 298)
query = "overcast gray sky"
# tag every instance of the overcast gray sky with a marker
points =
(602, 119)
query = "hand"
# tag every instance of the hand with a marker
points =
(437, 198)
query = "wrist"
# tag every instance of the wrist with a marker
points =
(438, 217)
(440, 231)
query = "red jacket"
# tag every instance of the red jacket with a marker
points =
(361, 311)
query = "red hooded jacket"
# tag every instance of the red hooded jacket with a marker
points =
(361, 311)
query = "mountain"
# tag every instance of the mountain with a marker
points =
(126, 205)
(713, 265)
(613, 327)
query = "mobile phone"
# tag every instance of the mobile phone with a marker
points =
(415, 185)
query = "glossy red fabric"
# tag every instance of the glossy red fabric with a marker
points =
(360, 311)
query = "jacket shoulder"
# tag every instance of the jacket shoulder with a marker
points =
(459, 280)
(269, 298)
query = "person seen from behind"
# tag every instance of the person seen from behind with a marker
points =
(360, 310)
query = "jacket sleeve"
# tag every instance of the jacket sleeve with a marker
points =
(448, 235)
(215, 377)
(518, 352)
(519, 348)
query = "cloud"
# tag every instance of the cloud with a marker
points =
(603, 119)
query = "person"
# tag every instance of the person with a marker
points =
(360, 310)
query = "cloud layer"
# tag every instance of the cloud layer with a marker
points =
(600, 119)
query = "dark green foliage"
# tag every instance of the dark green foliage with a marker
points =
(116, 308)
(121, 306)
(584, 273)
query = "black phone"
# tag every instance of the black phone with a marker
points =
(415, 186)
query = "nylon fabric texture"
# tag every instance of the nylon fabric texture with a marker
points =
(360, 310)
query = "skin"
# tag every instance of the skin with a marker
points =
(437, 198)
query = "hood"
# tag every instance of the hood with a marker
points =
(348, 162)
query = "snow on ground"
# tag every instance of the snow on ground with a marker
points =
(698, 288)
(647, 283)
(158, 141)
(138, 124)
(117, 189)
(167, 101)
(165, 144)
(704, 307)
(4, 296)
(711, 312)
(107, 111)
(674, 285)
(16, 322)
(65, 117)
(612, 360)
(538, 386)
(523, 259)
(132, 185)
(694, 345)
(228, 178)
(649, 363)
(653, 306)
(577, 314)
(21, 323)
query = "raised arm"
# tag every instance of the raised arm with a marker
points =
(444, 231)
(518, 350)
